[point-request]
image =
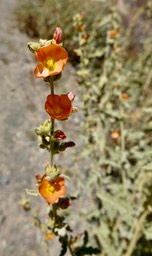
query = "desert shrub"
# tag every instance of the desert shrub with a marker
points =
(116, 86)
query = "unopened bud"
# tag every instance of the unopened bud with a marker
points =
(66, 145)
(57, 36)
(44, 128)
(63, 203)
(33, 46)
(51, 172)
(59, 135)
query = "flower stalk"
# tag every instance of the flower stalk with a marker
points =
(52, 126)
(52, 57)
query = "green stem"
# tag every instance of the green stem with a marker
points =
(55, 216)
(122, 142)
(51, 160)
(54, 209)
(52, 126)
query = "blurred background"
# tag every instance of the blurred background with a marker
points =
(109, 70)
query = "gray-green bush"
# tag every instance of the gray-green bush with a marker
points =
(118, 112)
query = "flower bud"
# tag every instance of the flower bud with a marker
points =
(25, 203)
(65, 145)
(59, 135)
(44, 128)
(33, 46)
(51, 172)
(63, 203)
(57, 36)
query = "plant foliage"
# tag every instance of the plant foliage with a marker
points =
(116, 85)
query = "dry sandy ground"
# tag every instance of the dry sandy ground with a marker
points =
(21, 102)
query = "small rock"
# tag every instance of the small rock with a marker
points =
(2, 218)
(5, 180)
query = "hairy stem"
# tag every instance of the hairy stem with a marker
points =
(122, 143)
(52, 126)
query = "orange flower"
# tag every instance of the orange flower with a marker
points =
(52, 59)
(113, 33)
(52, 190)
(58, 106)
(49, 236)
(124, 96)
(115, 135)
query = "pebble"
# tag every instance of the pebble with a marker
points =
(2, 218)
(5, 180)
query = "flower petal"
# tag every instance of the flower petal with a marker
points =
(58, 191)
(40, 71)
(58, 106)
(50, 53)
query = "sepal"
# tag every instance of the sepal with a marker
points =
(44, 128)
(52, 172)
(32, 192)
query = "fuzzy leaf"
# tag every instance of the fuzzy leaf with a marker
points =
(148, 232)
(116, 203)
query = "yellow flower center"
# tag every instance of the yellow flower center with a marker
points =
(50, 188)
(50, 64)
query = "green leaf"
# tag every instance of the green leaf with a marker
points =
(117, 203)
(148, 167)
(148, 232)
(63, 241)
(83, 72)
(63, 250)
(106, 244)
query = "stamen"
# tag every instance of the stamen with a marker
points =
(50, 188)
(50, 64)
